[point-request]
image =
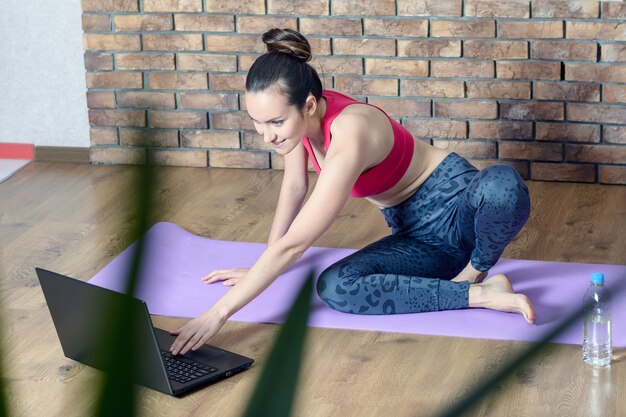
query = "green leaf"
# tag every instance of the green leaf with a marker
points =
(3, 398)
(471, 400)
(276, 387)
(117, 393)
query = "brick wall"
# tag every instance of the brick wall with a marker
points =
(540, 85)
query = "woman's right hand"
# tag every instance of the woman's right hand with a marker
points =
(229, 276)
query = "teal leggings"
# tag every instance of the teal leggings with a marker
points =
(458, 215)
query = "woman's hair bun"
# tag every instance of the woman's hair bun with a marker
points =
(288, 41)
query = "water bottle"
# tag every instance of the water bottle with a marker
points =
(597, 348)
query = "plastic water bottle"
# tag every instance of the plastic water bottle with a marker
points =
(597, 348)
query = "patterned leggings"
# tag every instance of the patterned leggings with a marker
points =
(458, 215)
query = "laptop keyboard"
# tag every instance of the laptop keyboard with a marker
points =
(184, 371)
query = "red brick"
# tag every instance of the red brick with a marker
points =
(178, 81)
(204, 23)
(615, 52)
(367, 86)
(254, 141)
(568, 132)
(596, 30)
(106, 42)
(260, 24)
(278, 162)
(468, 148)
(545, 171)
(298, 7)
(402, 107)
(329, 65)
(114, 80)
(614, 134)
(520, 166)
(436, 128)
(500, 130)
(216, 101)
(141, 23)
(471, 109)
(545, 90)
(100, 99)
(461, 69)
(172, 5)
(239, 159)
(607, 154)
(612, 174)
(227, 82)
(429, 8)
(144, 61)
(495, 49)
(209, 139)
(613, 10)
(110, 5)
(566, 9)
(609, 73)
(116, 155)
(429, 48)
(148, 137)
(528, 29)
(541, 110)
(206, 62)
(171, 119)
(231, 121)
(330, 26)
(364, 46)
(578, 51)
(597, 113)
(614, 93)
(103, 136)
(117, 118)
(320, 46)
(396, 67)
(146, 99)
(533, 151)
(363, 8)
(179, 157)
(462, 28)
(98, 61)
(499, 9)
(432, 88)
(240, 6)
(96, 22)
(529, 70)
(171, 42)
(498, 89)
(395, 27)
(230, 43)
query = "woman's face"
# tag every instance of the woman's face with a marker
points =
(280, 124)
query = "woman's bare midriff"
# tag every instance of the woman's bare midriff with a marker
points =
(425, 160)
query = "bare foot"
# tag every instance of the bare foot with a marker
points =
(472, 278)
(497, 294)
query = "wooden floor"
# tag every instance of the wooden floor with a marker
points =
(72, 218)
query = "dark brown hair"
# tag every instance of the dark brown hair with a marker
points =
(285, 63)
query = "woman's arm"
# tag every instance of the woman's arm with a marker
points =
(292, 192)
(342, 166)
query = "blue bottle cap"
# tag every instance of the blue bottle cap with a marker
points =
(597, 278)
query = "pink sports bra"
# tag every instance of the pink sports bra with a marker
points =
(382, 176)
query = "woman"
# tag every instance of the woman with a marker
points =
(450, 222)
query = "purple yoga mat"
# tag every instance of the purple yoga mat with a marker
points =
(171, 285)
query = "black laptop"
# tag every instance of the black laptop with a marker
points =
(78, 310)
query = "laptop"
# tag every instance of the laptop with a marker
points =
(81, 313)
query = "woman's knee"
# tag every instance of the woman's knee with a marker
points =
(502, 186)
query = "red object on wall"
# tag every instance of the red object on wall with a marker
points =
(17, 151)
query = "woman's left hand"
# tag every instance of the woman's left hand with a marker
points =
(196, 332)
